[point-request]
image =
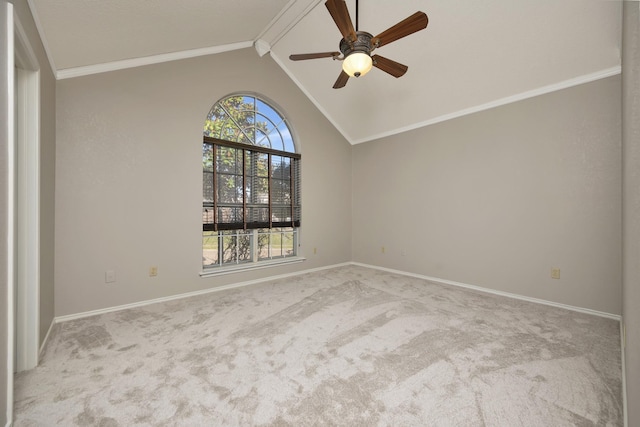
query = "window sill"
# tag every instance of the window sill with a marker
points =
(220, 271)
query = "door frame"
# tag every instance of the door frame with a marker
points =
(8, 50)
(27, 199)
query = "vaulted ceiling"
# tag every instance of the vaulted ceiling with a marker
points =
(472, 56)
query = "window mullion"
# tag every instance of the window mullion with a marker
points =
(254, 245)
(215, 187)
(236, 246)
(269, 190)
(235, 122)
(255, 159)
(265, 150)
(244, 190)
(292, 193)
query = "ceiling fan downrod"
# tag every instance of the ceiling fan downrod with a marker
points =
(357, 15)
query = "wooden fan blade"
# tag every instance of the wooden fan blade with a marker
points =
(342, 80)
(416, 22)
(394, 68)
(340, 14)
(303, 56)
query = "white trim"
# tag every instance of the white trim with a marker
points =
(66, 318)
(43, 39)
(289, 17)
(25, 54)
(623, 344)
(281, 24)
(68, 73)
(28, 231)
(495, 292)
(262, 47)
(28, 202)
(499, 102)
(46, 338)
(10, 209)
(238, 268)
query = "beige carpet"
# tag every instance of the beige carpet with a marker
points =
(349, 346)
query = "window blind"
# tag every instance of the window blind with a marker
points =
(249, 187)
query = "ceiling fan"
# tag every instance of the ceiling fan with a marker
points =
(356, 46)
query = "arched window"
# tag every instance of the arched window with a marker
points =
(251, 185)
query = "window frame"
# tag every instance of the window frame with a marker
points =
(249, 217)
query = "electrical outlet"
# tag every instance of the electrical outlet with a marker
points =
(315, 251)
(382, 249)
(555, 273)
(109, 276)
(153, 271)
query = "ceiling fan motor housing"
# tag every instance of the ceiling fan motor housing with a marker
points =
(361, 44)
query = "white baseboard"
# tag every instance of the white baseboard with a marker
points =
(495, 292)
(66, 318)
(623, 344)
(297, 273)
(46, 338)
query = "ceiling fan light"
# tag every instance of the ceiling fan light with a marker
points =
(357, 64)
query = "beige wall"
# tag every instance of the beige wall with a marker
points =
(129, 180)
(498, 198)
(631, 203)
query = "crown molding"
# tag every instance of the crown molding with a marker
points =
(43, 39)
(565, 84)
(262, 47)
(288, 17)
(68, 73)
